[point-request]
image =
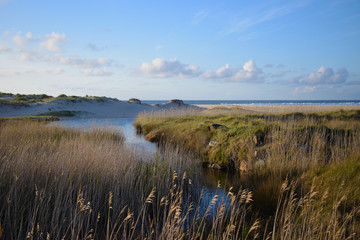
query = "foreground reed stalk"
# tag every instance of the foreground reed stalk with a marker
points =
(66, 184)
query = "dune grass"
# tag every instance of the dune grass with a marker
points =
(61, 183)
(63, 113)
(245, 139)
(33, 98)
(270, 148)
(30, 118)
(337, 180)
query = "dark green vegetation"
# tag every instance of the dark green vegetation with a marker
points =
(134, 100)
(33, 98)
(31, 118)
(63, 113)
(339, 180)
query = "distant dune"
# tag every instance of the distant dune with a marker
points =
(78, 106)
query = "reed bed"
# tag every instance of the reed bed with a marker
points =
(66, 184)
(321, 146)
(47, 173)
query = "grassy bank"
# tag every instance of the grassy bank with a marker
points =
(322, 147)
(31, 118)
(66, 184)
(245, 141)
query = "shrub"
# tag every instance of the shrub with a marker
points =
(62, 96)
(135, 100)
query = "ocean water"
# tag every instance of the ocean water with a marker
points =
(263, 102)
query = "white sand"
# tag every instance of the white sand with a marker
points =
(89, 108)
(92, 108)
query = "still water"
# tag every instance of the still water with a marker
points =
(124, 125)
(208, 178)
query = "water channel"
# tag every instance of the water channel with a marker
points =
(208, 178)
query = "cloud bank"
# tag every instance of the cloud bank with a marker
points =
(249, 72)
(54, 42)
(50, 50)
(23, 41)
(327, 76)
(97, 73)
(161, 68)
(79, 62)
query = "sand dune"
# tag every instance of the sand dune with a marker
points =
(84, 108)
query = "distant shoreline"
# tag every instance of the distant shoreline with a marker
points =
(263, 102)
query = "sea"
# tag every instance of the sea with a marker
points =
(262, 102)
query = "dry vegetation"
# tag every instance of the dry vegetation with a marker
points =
(65, 184)
(318, 149)
(250, 108)
(291, 140)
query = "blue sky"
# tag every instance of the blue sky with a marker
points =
(236, 50)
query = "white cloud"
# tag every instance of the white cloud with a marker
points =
(97, 73)
(7, 73)
(79, 62)
(53, 42)
(56, 71)
(305, 89)
(249, 72)
(23, 41)
(161, 68)
(4, 48)
(327, 76)
(27, 57)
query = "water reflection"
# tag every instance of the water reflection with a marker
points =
(124, 125)
(211, 182)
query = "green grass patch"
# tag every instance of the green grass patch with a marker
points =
(31, 118)
(63, 113)
(336, 181)
(33, 98)
(230, 140)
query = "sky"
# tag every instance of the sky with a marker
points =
(191, 50)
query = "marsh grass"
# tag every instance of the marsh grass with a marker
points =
(297, 139)
(296, 146)
(61, 183)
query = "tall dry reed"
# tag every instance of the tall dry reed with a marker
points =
(66, 184)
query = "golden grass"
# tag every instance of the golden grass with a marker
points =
(291, 140)
(247, 108)
(65, 184)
